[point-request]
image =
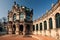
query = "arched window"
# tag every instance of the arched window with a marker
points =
(21, 16)
(40, 26)
(33, 27)
(13, 29)
(14, 17)
(21, 28)
(36, 27)
(45, 25)
(57, 17)
(50, 23)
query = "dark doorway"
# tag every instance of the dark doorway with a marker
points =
(57, 18)
(27, 29)
(14, 29)
(21, 28)
(1, 29)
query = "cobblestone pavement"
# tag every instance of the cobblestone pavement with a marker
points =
(20, 37)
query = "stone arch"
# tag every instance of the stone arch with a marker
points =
(50, 23)
(57, 19)
(28, 29)
(21, 28)
(14, 17)
(33, 27)
(45, 25)
(13, 29)
(41, 26)
(36, 27)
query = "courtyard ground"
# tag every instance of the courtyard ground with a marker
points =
(20, 37)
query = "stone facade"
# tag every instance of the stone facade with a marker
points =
(20, 20)
(44, 27)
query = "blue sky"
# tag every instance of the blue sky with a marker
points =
(39, 6)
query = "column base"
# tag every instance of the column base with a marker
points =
(38, 32)
(10, 32)
(47, 32)
(23, 33)
(35, 32)
(53, 32)
(43, 32)
(17, 32)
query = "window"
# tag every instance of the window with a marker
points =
(50, 23)
(33, 27)
(21, 16)
(45, 25)
(40, 26)
(36, 27)
(14, 17)
(28, 16)
(57, 17)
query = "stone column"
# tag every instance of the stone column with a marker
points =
(24, 29)
(9, 29)
(43, 33)
(48, 31)
(47, 24)
(31, 29)
(17, 16)
(38, 28)
(53, 31)
(54, 22)
(42, 25)
(17, 27)
(35, 29)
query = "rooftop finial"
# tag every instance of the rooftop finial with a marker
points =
(14, 2)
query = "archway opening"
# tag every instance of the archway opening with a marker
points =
(57, 18)
(50, 23)
(14, 29)
(21, 28)
(33, 27)
(27, 29)
(45, 25)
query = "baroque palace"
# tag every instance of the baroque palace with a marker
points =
(20, 21)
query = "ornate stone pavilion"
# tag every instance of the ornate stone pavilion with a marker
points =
(49, 23)
(20, 20)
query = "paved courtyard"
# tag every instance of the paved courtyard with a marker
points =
(20, 37)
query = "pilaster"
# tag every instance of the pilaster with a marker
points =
(24, 29)
(9, 28)
(17, 27)
(54, 23)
